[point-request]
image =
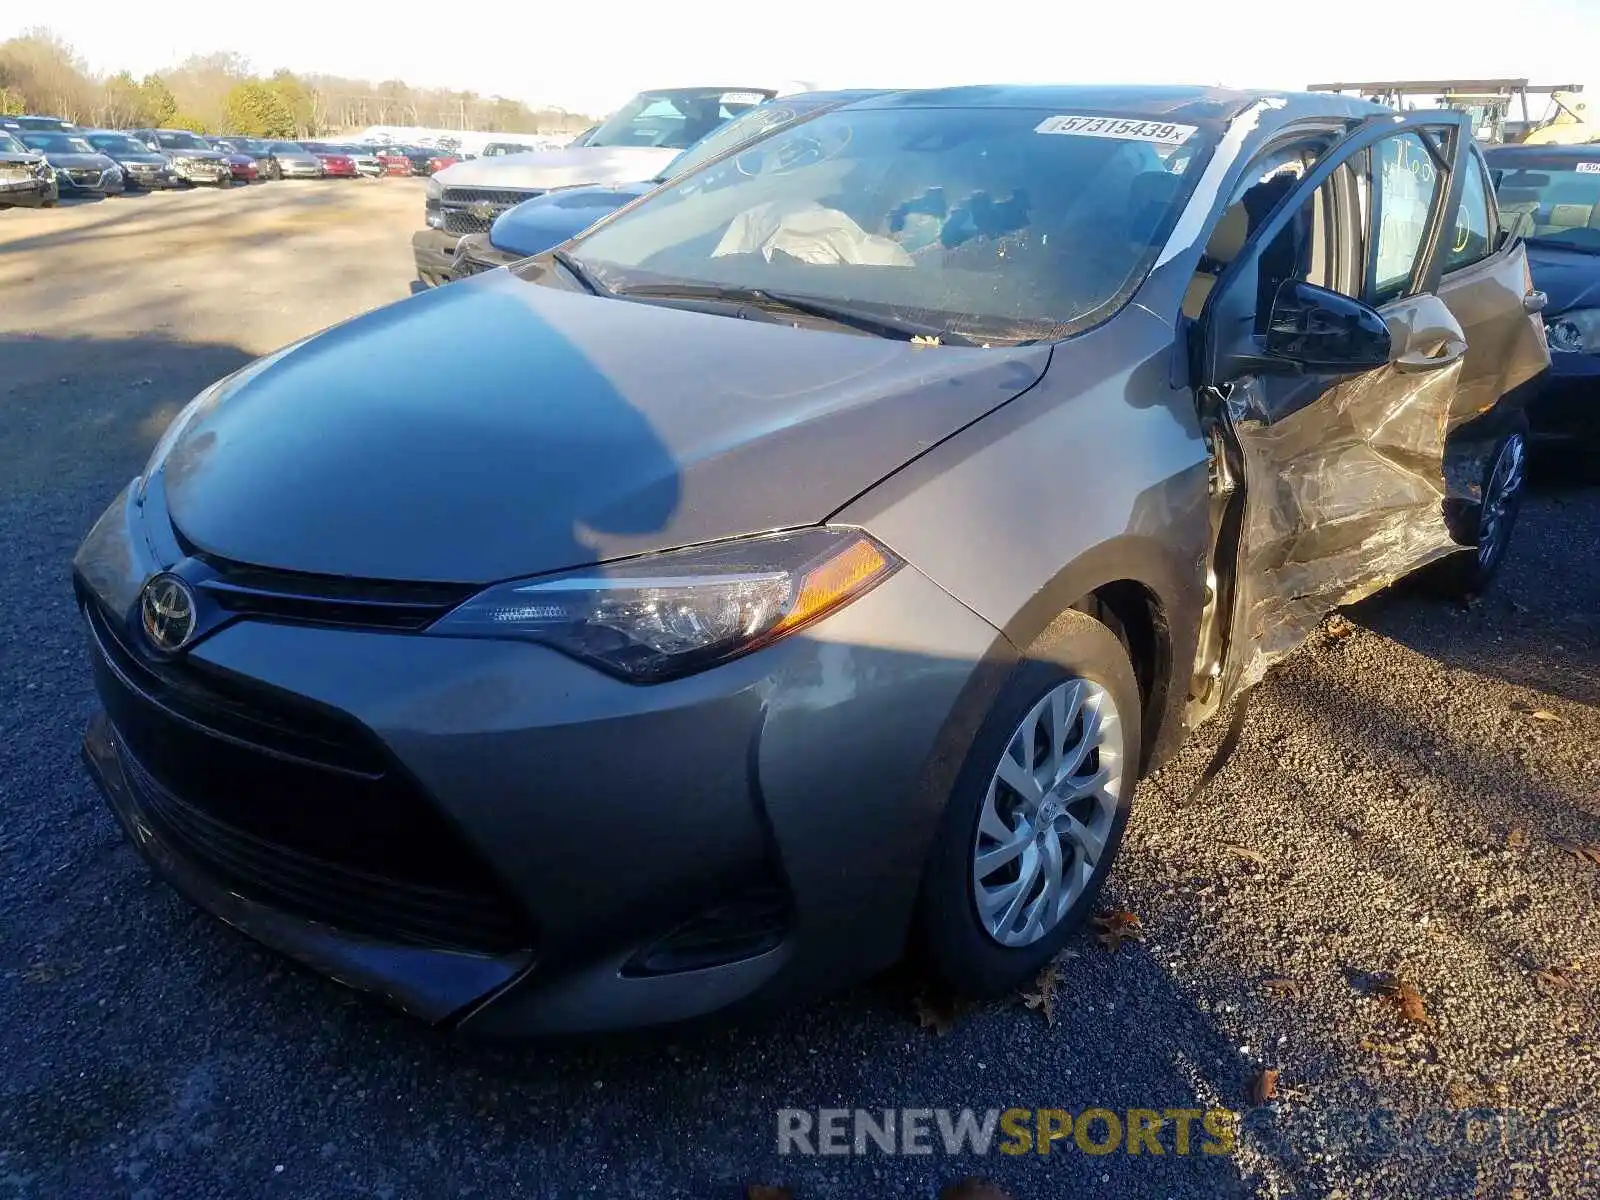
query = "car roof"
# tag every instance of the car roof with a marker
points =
(1584, 153)
(1176, 102)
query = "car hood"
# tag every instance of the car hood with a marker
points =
(196, 155)
(144, 156)
(29, 159)
(1571, 278)
(98, 162)
(497, 427)
(559, 168)
(536, 225)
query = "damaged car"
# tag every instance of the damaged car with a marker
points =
(807, 562)
(26, 179)
(80, 169)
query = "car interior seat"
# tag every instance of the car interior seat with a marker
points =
(1225, 244)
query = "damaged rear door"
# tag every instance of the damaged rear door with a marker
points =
(1330, 370)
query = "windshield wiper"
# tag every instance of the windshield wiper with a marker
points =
(581, 273)
(766, 301)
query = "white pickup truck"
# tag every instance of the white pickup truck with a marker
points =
(635, 142)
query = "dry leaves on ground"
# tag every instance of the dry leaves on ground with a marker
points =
(1118, 926)
(1043, 997)
(1562, 977)
(1405, 998)
(1532, 713)
(1246, 853)
(939, 1009)
(1264, 1087)
(768, 1191)
(1588, 852)
(1517, 838)
(973, 1188)
(1287, 989)
(1338, 626)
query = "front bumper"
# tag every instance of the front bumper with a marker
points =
(136, 179)
(28, 193)
(475, 253)
(1565, 405)
(435, 253)
(796, 789)
(296, 170)
(98, 183)
(209, 174)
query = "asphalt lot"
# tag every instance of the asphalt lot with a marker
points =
(1397, 808)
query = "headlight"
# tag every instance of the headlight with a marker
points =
(433, 189)
(1575, 332)
(666, 615)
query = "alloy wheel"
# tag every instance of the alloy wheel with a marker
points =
(1048, 813)
(1500, 500)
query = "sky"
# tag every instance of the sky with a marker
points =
(592, 57)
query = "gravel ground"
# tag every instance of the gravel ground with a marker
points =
(1395, 814)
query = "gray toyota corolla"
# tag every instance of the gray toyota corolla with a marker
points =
(803, 565)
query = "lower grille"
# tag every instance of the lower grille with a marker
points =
(293, 806)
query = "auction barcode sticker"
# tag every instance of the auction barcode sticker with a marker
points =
(1164, 132)
(1589, 168)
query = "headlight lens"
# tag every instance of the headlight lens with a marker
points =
(667, 615)
(1575, 332)
(433, 189)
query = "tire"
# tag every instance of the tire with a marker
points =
(1078, 657)
(1470, 572)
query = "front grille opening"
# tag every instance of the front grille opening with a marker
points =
(753, 924)
(294, 805)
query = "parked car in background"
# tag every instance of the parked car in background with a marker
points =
(365, 159)
(337, 163)
(142, 167)
(190, 158)
(438, 160)
(26, 179)
(80, 169)
(501, 149)
(393, 160)
(536, 225)
(1550, 197)
(881, 502)
(242, 161)
(636, 142)
(291, 160)
(37, 124)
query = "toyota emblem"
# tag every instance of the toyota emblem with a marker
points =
(167, 611)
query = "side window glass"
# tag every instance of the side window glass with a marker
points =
(1469, 237)
(1404, 183)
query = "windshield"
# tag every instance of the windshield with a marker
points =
(1018, 222)
(248, 145)
(181, 141)
(58, 143)
(288, 148)
(116, 143)
(674, 118)
(757, 122)
(48, 123)
(1556, 201)
(10, 145)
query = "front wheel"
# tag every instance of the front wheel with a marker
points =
(1037, 813)
(1469, 572)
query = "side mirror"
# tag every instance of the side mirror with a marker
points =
(1320, 330)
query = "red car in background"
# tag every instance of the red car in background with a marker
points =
(336, 163)
(393, 161)
(440, 161)
(242, 166)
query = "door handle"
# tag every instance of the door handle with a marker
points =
(1534, 302)
(1417, 360)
